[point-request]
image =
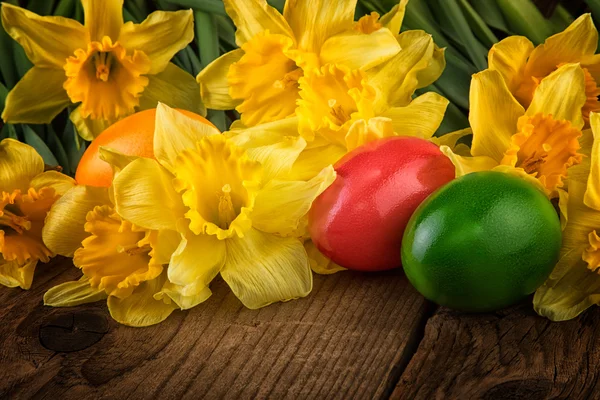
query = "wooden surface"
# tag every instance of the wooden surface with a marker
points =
(356, 336)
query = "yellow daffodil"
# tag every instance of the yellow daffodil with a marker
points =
(233, 211)
(261, 79)
(120, 261)
(523, 67)
(574, 285)
(109, 68)
(26, 195)
(541, 141)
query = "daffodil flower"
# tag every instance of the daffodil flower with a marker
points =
(523, 67)
(541, 141)
(109, 68)
(574, 285)
(233, 211)
(261, 78)
(26, 195)
(121, 262)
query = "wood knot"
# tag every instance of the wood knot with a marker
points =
(73, 331)
(520, 389)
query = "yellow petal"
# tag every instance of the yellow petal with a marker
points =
(262, 268)
(319, 263)
(118, 161)
(451, 140)
(103, 18)
(567, 296)
(255, 16)
(19, 164)
(197, 260)
(145, 196)
(562, 94)
(509, 57)
(174, 132)
(361, 131)
(88, 128)
(263, 134)
(57, 181)
(166, 244)
(280, 204)
(47, 41)
(358, 50)
(581, 219)
(397, 78)
(31, 103)
(493, 115)
(312, 160)
(434, 68)
(185, 297)
(393, 19)
(174, 87)
(70, 294)
(420, 118)
(592, 193)
(277, 159)
(314, 21)
(140, 308)
(563, 200)
(214, 88)
(13, 274)
(569, 46)
(64, 228)
(466, 165)
(160, 36)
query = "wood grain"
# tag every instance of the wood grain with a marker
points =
(513, 354)
(351, 338)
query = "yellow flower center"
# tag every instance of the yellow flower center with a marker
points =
(117, 256)
(545, 148)
(265, 79)
(368, 23)
(218, 183)
(21, 222)
(106, 80)
(332, 99)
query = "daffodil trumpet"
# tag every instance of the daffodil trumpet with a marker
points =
(205, 206)
(523, 67)
(539, 143)
(574, 285)
(26, 194)
(263, 79)
(107, 68)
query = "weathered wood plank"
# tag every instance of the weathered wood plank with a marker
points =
(513, 354)
(350, 338)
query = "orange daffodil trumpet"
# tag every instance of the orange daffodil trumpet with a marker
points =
(574, 285)
(206, 205)
(523, 67)
(541, 141)
(26, 195)
(285, 58)
(110, 69)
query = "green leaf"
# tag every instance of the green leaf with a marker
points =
(491, 14)
(78, 12)
(57, 148)
(479, 27)
(218, 118)
(128, 17)
(524, 18)
(73, 147)
(41, 7)
(225, 30)
(206, 37)
(65, 8)
(184, 60)
(3, 94)
(21, 61)
(278, 4)
(32, 139)
(452, 19)
(12, 132)
(209, 6)
(8, 69)
(136, 13)
(561, 19)
(418, 16)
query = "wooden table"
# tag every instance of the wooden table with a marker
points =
(356, 336)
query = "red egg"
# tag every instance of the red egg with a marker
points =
(358, 222)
